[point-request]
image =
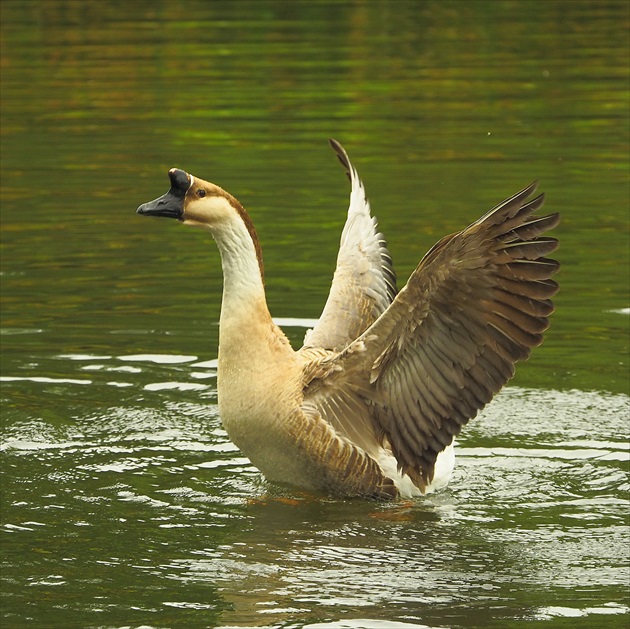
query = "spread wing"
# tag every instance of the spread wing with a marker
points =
(364, 283)
(476, 304)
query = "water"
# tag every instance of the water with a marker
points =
(123, 502)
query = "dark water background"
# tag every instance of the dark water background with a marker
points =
(123, 502)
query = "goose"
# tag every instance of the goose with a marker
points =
(369, 406)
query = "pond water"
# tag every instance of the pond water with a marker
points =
(123, 502)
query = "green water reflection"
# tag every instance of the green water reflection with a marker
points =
(446, 108)
(443, 122)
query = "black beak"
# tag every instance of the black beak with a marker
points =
(171, 204)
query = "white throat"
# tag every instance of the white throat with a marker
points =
(242, 279)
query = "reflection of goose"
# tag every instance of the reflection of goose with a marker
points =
(384, 381)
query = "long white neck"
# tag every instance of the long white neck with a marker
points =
(248, 338)
(243, 287)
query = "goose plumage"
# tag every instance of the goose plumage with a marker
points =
(371, 403)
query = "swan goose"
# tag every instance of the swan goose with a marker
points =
(371, 403)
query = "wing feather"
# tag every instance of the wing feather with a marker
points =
(537, 290)
(477, 303)
(364, 283)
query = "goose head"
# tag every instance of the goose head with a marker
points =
(199, 203)
(194, 201)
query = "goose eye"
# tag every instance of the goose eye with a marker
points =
(201, 193)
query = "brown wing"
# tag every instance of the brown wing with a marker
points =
(476, 304)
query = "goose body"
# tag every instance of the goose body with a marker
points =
(371, 403)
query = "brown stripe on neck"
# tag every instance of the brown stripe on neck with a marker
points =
(235, 203)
